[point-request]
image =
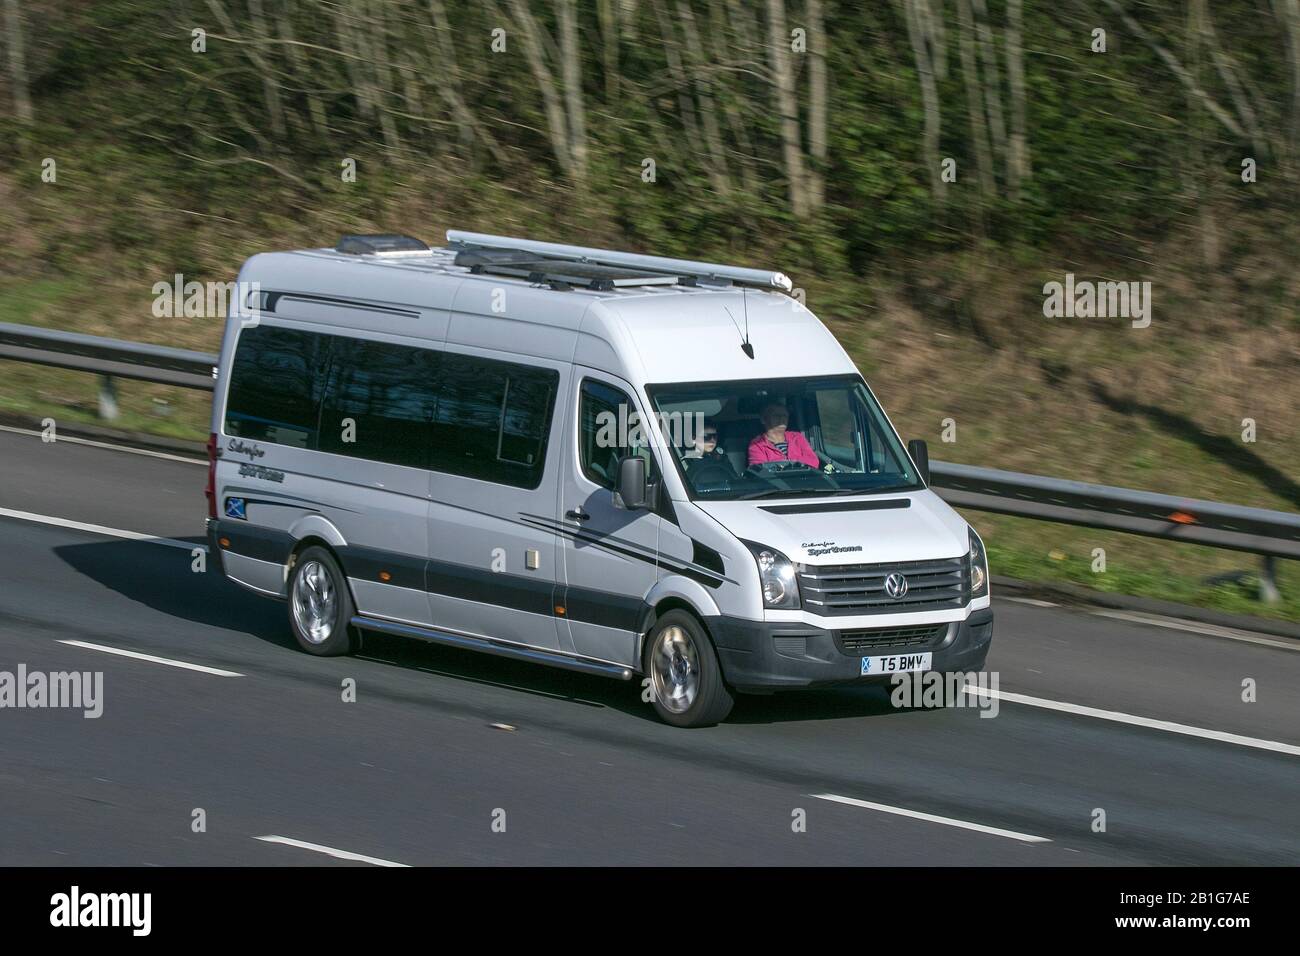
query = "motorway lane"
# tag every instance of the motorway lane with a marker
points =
(413, 770)
(1054, 653)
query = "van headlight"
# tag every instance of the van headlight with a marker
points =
(775, 577)
(978, 564)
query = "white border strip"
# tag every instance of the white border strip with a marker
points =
(1200, 627)
(931, 818)
(1148, 722)
(135, 655)
(98, 529)
(73, 440)
(329, 851)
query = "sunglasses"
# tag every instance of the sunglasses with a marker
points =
(709, 436)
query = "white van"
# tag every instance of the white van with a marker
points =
(614, 463)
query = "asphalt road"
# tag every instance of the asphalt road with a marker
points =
(449, 758)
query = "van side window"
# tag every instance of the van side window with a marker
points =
(379, 401)
(610, 430)
(275, 385)
(492, 419)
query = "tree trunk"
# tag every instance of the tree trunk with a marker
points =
(992, 85)
(974, 99)
(787, 106)
(571, 69)
(918, 33)
(717, 164)
(1018, 147)
(17, 63)
(558, 124)
(817, 106)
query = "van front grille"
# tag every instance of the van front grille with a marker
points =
(920, 636)
(842, 589)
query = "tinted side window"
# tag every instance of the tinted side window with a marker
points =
(379, 402)
(610, 431)
(492, 419)
(275, 385)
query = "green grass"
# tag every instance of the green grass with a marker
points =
(40, 392)
(31, 302)
(1135, 565)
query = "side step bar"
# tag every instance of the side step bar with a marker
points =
(533, 655)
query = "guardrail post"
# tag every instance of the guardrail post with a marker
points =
(107, 398)
(1268, 592)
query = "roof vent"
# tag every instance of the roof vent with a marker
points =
(388, 244)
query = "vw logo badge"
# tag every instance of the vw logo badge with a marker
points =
(896, 586)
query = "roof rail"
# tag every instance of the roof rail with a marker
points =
(385, 244)
(629, 260)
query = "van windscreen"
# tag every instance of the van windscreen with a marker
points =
(780, 438)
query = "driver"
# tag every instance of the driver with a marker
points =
(778, 443)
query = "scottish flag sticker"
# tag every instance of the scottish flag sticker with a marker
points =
(235, 509)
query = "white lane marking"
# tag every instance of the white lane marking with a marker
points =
(103, 444)
(153, 660)
(931, 818)
(98, 529)
(1032, 602)
(1197, 627)
(1148, 722)
(329, 851)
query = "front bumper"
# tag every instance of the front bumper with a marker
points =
(769, 655)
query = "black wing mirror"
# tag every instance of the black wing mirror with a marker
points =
(920, 453)
(631, 485)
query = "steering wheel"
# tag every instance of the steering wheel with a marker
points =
(711, 473)
(778, 467)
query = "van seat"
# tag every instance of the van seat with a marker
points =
(735, 437)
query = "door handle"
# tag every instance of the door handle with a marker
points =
(577, 514)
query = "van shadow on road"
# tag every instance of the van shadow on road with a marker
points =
(161, 579)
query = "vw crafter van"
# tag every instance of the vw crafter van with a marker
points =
(614, 463)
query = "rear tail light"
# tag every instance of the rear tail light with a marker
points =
(211, 489)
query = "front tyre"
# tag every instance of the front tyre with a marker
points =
(686, 683)
(320, 605)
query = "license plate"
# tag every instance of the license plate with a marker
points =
(895, 664)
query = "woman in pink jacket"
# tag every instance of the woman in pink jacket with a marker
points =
(778, 443)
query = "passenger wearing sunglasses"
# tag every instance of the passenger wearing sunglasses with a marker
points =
(705, 455)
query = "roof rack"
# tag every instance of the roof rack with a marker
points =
(384, 244)
(559, 274)
(564, 266)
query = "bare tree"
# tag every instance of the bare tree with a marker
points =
(563, 108)
(930, 56)
(817, 106)
(1018, 146)
(717, 168)
(17, 63)
(974, 100)
(787, 106)
(1288, 17)
(1217, 111)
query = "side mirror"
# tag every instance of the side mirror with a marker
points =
(920, 453)
(631, 485)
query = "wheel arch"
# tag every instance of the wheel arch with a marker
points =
(671, 594)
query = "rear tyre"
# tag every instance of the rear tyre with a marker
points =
(687, 689)
(320, 604)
